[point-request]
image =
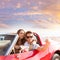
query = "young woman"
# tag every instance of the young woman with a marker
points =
(21, 40)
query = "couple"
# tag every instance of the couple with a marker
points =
(26, 42)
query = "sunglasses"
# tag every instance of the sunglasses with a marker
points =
(29, 36)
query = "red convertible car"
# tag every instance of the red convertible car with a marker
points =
(8, 41)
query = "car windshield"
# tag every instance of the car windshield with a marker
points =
(5, 43)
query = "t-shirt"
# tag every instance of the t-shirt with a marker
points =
(31, 46)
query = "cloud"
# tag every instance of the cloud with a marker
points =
(10, 4)
(48, 19)
(18, 5)
(2, 25)
(35, 8)
(54, 9)
(32, 7)
(30, 13)
(6, 17)
(45, 24)
(2, 5)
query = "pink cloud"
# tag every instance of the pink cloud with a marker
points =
(35, 7)
(28, 13)
(45, 24)
(4, 25)
(10, 4)
(18, 5)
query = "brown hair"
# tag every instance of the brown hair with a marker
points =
(28, 33)
(19, 31)
(22, 40)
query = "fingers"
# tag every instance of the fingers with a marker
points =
(47, 41)
(16, 47)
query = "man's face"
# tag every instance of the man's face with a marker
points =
(29, 37)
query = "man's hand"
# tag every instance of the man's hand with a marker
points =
(47, 42)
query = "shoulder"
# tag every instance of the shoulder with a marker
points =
(26, 44)
(35, 46)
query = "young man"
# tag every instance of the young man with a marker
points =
(31, 44)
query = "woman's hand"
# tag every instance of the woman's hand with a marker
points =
(17, 47)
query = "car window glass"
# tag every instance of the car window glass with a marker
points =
(5, 43)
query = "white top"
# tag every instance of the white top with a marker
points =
(31, 46)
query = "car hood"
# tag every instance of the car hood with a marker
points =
(54, 45)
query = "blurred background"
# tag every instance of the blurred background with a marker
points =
(41, 16)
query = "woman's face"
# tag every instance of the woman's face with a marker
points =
(21, 34)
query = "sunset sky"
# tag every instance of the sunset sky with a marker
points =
(38, 15)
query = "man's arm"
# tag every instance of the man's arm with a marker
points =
(44, 47)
